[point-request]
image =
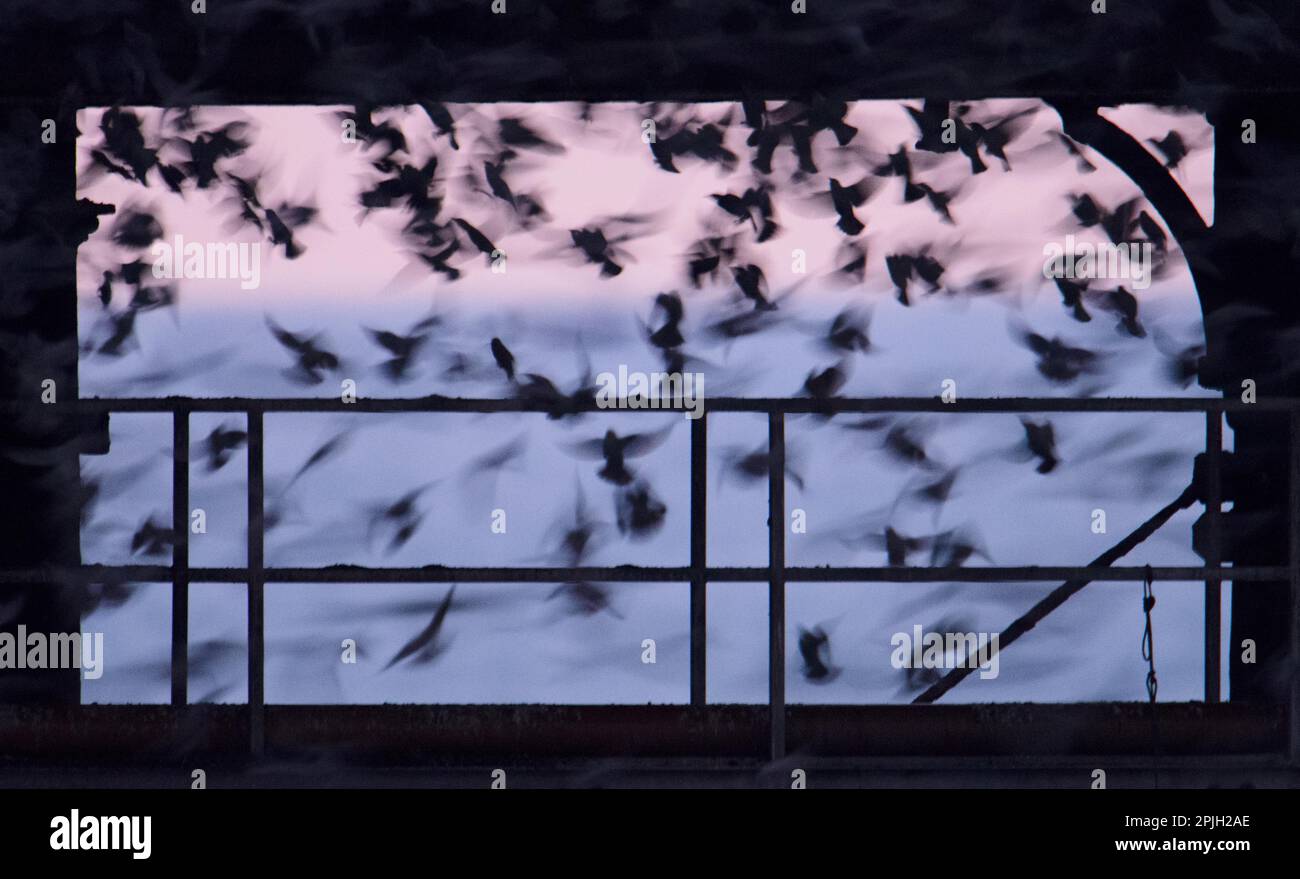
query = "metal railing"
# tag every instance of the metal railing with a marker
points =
(255, 574)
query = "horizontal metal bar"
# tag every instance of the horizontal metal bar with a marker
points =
(433, 734)
(945, 773)
(713, 404)
(637, 574)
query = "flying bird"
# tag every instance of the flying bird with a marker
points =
(1058, 361)
(310, 358)
(755, 465)
(1171, 147)
(152, 539)
(403, 348)
(425, 646)
(815, 651)
(503, 357)
(400, 519)
(615, 450)
(639, 513)
(1041, 442)
(221, 443)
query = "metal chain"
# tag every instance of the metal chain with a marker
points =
(1149, 654)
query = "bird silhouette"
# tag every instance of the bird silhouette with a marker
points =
(708, 256)
(579, 534)
(704, 142)
(848, 331)
(919, 677)
(152, 539)
(105, 289)
(937, 491)
(121, 333)
(440, 261)
(538, 390)
(752, 282)
(514, 132)
(1057, 361)
(662, 150)
(126, 152)
(442, 120)
(995, 135)
(742, 323)
(310, 358)
(824, 384)
(902, 267)
(210, 147)
(601, 247)
(1123, 303)
(1171, 147)
(495, 176)
(929, 120)
(596, 248)
(1041, 441)
(585, 598)
(755, 465)
(902, 442)
(846, 198)
(409, 186)
(1072, 296)
(1075, 151)
(324, 452)
(815, 651)
(1118, 223)
(897, 546)
(639, 512)
(952, 548)
(1181, 363)
(278, 506)
(398, 521)
(615, 450)
(853, 261)
(403, 348)
(503, 357)
(150, 298)
(221, 443)
(938, 201)
(425, 646)
(281, 222)
(371, 132)
(136, 229)
(669, 335)
(754, 206)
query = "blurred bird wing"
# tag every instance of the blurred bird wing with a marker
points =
(592, 448)
(642, 443)
(286, 338)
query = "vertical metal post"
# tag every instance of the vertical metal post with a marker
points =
(1293, 515)
(699, 555)
(776, 580)
(180, 556)
(1214, 551)
(256, 585)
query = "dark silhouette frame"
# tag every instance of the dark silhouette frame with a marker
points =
(1243, 265)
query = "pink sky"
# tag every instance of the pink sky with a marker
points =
(1001, 218)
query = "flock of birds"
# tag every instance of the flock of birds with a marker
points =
(405, 181)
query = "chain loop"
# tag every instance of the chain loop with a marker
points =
(1149, 654)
